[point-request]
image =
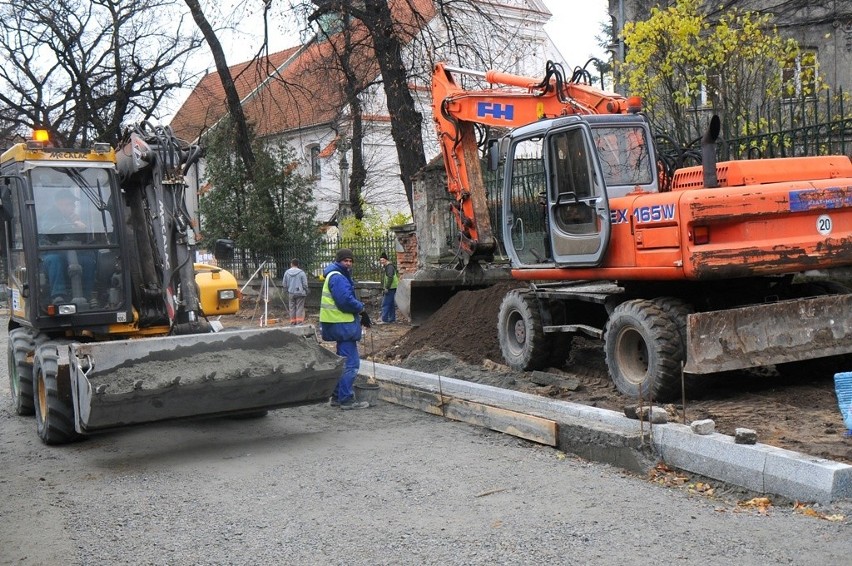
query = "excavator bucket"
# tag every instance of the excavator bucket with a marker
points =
(786, 331)
(116, 384)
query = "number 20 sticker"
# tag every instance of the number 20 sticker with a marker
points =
(823, 224)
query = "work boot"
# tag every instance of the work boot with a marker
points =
(353, 404)
(333, 402)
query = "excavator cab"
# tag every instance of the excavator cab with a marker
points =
(79, 260)
(554, 196)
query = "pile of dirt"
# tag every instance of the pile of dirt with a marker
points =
(466, 327)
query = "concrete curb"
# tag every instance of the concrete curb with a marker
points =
(608, 436)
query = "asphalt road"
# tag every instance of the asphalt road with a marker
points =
(386, 485)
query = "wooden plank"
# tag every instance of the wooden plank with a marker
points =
(535, 429)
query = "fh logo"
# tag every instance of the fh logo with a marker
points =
(495, 110)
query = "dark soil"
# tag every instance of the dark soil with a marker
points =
(466, 326)
(794, 412)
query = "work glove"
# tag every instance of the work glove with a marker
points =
(365, 320)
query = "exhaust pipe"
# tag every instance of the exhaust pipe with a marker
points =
(708, 152)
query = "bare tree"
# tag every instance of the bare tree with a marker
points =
(83, 68)
(388, 37)
(235, 107)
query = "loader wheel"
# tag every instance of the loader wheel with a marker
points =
(644, 350)
(522, 340)
(53, 409)
(19, 346)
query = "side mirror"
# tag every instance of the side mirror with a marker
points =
(493, 154)
(223, 250)
(497, 151)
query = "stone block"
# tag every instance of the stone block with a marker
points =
(745, 436)
(704, 426)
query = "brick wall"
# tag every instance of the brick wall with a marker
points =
(406, 248)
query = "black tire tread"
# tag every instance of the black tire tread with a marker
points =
(21, 343)
(536, 353)
(663, 381)
(58, 427)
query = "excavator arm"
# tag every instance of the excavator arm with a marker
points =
(515, 101)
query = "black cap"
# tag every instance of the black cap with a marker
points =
(344, 254)
(383, 256)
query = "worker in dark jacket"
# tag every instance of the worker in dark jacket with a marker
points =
(341, 318)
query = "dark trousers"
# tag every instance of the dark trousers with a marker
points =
(389, 306)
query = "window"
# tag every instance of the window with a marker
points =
(709, 94)
(800, 75)
(624, 156)
(316, 170)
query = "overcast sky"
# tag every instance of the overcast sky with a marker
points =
(574, 26)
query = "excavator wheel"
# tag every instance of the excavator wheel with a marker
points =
(21, 342)
(524, 345)
(678, 310)
(53, 409)
(644, 350)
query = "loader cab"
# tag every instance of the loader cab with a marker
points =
(62, 239)
(555, 206)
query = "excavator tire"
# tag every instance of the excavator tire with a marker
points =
(53, 409)
(21, 342)
(524, 345)
(644, 350)
(678, 310)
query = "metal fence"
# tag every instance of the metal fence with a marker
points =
(818, 125)
(314, 259)
(814, 125)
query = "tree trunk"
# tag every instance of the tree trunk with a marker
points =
(235, 108)
(405, 119)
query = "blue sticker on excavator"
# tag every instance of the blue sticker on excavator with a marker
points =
(809, 199)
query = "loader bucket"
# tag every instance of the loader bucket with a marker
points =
(786, 331)
(420, 296)
(129, 382)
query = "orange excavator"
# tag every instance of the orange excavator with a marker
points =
(702, 273)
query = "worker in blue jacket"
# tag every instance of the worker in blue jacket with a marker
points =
(341, 318)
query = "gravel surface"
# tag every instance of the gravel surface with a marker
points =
(387, 485)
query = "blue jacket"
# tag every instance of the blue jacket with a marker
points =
(343, 292)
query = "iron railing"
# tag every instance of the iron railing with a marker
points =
(315, 258)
